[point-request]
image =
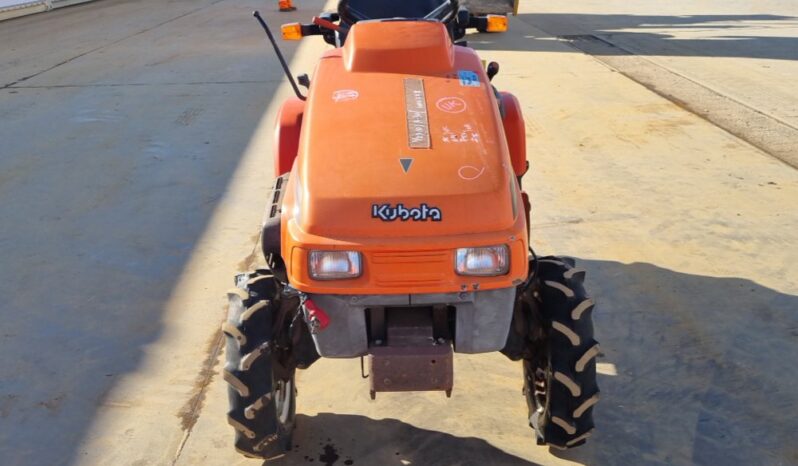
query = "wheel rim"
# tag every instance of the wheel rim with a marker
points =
(282, 400)
(540, 374)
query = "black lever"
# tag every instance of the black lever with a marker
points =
(263, 24)
(493, 70)
(303, 80)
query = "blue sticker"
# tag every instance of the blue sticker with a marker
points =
(468, 78)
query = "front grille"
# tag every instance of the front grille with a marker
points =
(412, 268)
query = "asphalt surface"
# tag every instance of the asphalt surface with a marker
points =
(135, 159)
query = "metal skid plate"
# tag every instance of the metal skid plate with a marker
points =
(411, 368)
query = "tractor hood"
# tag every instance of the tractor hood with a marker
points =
(402, 137)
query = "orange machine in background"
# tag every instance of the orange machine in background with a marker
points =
(286, 5)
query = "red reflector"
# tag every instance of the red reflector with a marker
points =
(317, 318)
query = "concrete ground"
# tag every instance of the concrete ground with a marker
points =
(135, 158)
(732, 62)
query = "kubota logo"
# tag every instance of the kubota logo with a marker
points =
(422, 213)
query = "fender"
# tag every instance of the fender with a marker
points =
(515, 132)
(286, 135)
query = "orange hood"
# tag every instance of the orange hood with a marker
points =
(402, 138)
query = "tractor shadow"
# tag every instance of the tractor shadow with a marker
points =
(705, 369)
(694, 370)
(343, 439)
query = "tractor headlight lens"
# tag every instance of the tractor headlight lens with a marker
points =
(335, 265)
(488, 261)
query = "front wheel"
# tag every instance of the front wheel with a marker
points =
(261, 387)
(553, 334)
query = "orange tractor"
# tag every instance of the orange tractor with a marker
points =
(397, 231)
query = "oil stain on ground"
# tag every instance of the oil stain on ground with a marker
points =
(329, 455)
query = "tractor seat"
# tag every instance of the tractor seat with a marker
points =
(352, 11)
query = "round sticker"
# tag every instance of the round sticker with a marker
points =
(451, 105)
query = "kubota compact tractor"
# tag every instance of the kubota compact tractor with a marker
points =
(397, 231)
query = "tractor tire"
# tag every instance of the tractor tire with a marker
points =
(560, 367)
(261, 387)
(567, 420)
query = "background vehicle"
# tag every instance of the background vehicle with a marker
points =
(484, 7)
(397, 230)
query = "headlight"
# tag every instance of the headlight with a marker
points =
(335, 265)
(486, 261)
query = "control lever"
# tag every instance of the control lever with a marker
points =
(493, 70)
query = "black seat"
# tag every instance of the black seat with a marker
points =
(352, 11)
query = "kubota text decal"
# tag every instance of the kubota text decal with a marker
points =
(422, 213)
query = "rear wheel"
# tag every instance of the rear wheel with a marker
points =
(553, 334)
(260, 375)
